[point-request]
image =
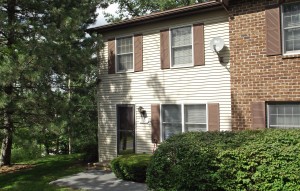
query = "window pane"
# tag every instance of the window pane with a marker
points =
(181, 39)
(195, 113)
(296, 109)
(297, 45)
(296, 34)
(291, 9)
(181, 36)
(288, 109)
(273, 120)
(289, 122)
(296, 120)
(295, 20)
(289, 34)
(195, 127)
(195, 117)
(124, 45)
(292, 39)
(289, 45)
(171, 120)
(272, 109)
(171, 113)
(280, 120)
(287, 116)
(171, 129)
(280, 109)
(125, 62)
(292, 21)
(291, 25)
(124, 54)
(126, 142)
(182, 55)
(287, 21)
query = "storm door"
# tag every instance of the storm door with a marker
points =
(125, 129)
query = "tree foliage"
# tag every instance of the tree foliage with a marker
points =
(46, 65)
(134, 8)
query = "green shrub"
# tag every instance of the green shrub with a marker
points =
(131, 167)
(29, 150)
(245, 160)
(270, 162)
(186, 161)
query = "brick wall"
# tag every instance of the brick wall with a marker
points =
(255, 76)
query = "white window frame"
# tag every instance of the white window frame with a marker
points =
(268, 114)
(171, 46)
(282, 31)
(182, 116)
(116, 57)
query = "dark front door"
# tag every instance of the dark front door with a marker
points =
(126, 129)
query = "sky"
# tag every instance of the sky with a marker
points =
(100, 19)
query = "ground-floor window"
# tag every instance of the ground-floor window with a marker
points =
(178, 118)
(283, 115)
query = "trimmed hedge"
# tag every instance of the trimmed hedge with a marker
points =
(245, 160)
(131, 167)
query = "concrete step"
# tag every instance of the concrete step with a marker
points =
(104, 165)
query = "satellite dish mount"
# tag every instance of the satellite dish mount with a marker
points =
(217, 45)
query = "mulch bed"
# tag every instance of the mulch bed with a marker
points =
(14, 168)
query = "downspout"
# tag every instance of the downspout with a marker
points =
(98, 84)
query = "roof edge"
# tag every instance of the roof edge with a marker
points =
(158, 16)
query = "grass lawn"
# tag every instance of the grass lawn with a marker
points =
(44, 171)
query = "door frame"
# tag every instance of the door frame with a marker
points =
(118, 125)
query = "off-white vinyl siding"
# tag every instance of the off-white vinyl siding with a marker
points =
(201, 84)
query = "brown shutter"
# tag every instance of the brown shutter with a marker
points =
(258, 115)
(273, 31)
(199, 57)
(138, 53)
(213, 117)
(164, 49)
(155, 122)
(111, 56)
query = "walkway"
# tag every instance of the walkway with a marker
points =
(98, 180)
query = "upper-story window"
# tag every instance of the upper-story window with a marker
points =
(291, 27)
(124, 54)
(181, 46)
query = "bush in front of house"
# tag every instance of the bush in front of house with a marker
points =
(269, 162)
(245, 160)
(187, 162)
(131, 167)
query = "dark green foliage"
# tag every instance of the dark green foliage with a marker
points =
(47, 74)
(185, 162)
(270, 162)
(246, 160)
(133, 8)
(27, 151)
(131, 167)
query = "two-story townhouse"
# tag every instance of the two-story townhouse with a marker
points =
(265, 63)
(159, 77)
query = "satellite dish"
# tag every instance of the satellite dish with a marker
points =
(216, 44)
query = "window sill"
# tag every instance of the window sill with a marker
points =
(289, 56)
(181, 66)
(125, 72)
